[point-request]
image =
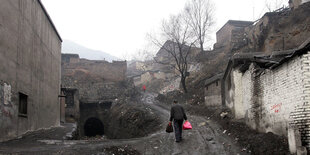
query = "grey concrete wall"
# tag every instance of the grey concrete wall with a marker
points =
(30, 64)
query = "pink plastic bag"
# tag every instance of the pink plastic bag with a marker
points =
(187, 125)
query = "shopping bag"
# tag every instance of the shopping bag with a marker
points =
(169, 128)
(187, 125)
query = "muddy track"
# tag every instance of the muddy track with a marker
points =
(205, 138)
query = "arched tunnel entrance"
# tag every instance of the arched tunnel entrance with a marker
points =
(92, 127)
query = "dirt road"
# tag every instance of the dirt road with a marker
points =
(206, 137)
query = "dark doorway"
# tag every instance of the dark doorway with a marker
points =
(93, 127)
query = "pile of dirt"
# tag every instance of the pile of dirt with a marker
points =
(250, 140)
(131, 120)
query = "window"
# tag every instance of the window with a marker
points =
(23, 101)
(217, 83)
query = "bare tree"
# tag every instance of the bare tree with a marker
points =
(199, 15)
(272, 5)
(142, 55)
(178, 44)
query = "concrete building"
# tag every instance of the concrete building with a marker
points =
(30, 53)
(271, 91)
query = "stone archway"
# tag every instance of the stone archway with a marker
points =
(93, 126)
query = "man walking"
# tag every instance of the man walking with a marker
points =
(178, 115)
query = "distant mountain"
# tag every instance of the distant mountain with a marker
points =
(84, 52)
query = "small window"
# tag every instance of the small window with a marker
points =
(23, 101)
(217, 83)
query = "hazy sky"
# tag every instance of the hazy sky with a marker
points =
(119, 27)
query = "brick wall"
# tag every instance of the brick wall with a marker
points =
(270, 100)
(300, 116)
(282, 91)
(266, 100)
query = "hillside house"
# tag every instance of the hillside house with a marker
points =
(231, 32)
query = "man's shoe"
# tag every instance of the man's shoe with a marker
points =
(178, 141)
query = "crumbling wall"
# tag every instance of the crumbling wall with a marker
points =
(95, 80)
(247, 108)
(234, 91)
(30, 65)
(8, 109)
(237, 94)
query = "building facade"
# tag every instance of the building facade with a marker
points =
(30, 55)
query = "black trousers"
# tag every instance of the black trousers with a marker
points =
(178, 124)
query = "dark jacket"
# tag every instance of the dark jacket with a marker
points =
(177, 113)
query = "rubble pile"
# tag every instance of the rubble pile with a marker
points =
(131, 120)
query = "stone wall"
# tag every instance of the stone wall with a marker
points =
(30, 69)
(95, 80)
(71, 99)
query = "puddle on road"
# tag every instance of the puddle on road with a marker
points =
(50, 142)
(61, 142)
(202, 124)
